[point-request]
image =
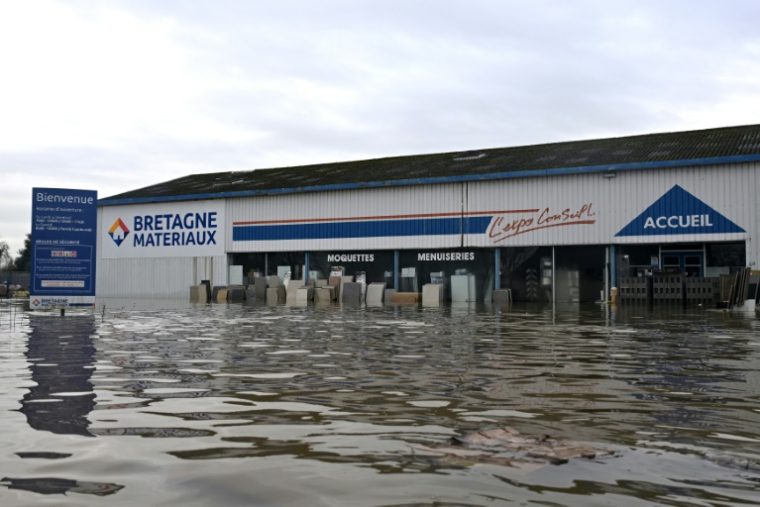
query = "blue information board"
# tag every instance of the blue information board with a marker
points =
(64, 238)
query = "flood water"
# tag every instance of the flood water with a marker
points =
(249, 405)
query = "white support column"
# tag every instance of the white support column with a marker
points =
(554, 277)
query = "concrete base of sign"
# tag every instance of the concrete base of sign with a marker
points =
(321, 282)
(502, 297)
(432, 294)
(221, 295)
(405, 298)
(259, 287)
(375, 293)
(276, 295)
(273, 281)
(351, 293)
(304, 294)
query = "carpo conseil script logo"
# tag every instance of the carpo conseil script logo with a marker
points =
(503, 226)
(118, 232)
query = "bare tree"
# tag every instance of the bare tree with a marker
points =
(5, 256)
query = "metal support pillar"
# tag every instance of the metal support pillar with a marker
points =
(554, 277)
(395, 269)
(497, 269)
(607, 275)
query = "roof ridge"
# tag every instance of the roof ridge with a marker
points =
(662, 149)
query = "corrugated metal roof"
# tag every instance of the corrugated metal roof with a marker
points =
(722, 145)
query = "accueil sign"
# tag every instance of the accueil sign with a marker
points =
(676, 221)
(678, 212)
(192, 229)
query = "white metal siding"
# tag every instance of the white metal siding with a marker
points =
(168, 277)
(347, 204)
(616, 202)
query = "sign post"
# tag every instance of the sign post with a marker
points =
(64, 239)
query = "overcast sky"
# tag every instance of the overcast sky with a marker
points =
(117, 95)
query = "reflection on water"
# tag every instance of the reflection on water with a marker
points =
(51, 486)
(61, 353)
(329, 405)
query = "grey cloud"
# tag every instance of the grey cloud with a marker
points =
(395, 78)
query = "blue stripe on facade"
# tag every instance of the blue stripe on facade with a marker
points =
(362, 229)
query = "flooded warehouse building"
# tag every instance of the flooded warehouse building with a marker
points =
(563, 222)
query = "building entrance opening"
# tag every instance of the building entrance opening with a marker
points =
(689, 263)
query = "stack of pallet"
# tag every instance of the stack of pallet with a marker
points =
(635, 288)
(702, 290)
(740, 288)
(668, 288)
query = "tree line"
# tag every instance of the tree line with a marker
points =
(22, 262)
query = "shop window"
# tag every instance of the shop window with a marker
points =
(253, 265)
(467, 274)
(525, 272)
(725, 258)
(286, 265)
(579, 275)
(637, 260)
(373, 266)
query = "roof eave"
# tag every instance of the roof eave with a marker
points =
(733, 159)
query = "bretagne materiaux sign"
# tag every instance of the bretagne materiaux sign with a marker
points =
(186, 229)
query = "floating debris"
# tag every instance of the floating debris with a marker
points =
(507, 447)
(58, 486)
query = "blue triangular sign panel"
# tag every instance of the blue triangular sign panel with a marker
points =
(679, 212)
